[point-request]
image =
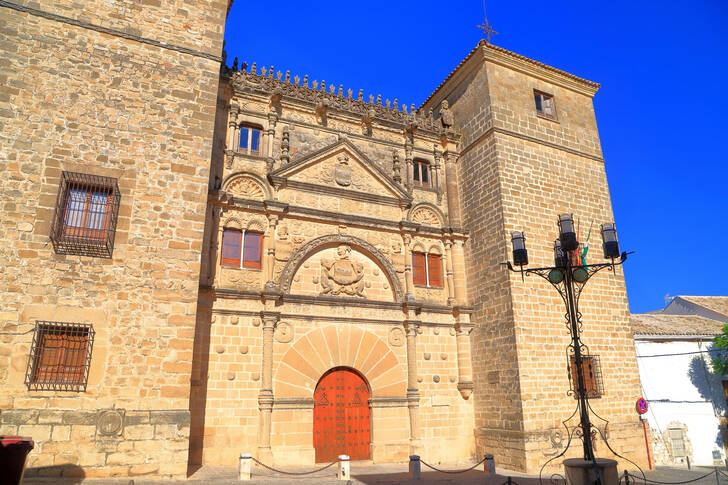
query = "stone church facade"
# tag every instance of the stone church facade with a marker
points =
(202, 261)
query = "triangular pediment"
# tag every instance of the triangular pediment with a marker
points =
(340, 168)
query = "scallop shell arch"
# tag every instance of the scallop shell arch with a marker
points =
(427, 215)
(321, 349)
(247, 186)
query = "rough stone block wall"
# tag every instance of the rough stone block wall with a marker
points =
(114, 104)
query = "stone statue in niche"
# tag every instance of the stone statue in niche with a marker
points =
(446, 117)
(342, 174)
(342, 276)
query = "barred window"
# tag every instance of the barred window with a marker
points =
(60, 356)
(592, 372)
(86, 213)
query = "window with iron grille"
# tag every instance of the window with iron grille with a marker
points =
(592, 372)
(60, 356)
(86, 212)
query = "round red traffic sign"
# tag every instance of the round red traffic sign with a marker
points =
(641, 405)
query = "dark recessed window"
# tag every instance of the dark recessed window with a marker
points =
(592, 371)
(60, 356)
(85, 217)
(250, 139)
(545, 105)
(427, 269)
(422, 175)
(242, 249)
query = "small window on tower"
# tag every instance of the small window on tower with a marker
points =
(545, 105)
(250, 139)
(422, 173)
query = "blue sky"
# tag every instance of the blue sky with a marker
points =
(661, 110)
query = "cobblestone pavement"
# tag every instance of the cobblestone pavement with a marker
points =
(384, 474)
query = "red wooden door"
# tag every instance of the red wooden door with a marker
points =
(341, 417)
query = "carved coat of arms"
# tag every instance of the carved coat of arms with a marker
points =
(342, 276)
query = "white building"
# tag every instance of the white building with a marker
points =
(687, 401)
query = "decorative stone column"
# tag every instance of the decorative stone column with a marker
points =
(408, 279)
(216, 246)
(449, 273)
(451, 185)
(265, 396)
(269, 249)
(458, 263)
(465, 370)
(436, 178)
(413, 393)
(408, 165)
(270, 135)
(231, 143)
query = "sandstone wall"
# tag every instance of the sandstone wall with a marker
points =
(113, 104)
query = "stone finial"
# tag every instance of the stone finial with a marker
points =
(279, 74)
(371, 99)
(387, 103)
(341, 90)
(305, 81)
(314, 84)
(404, 108)
(332, 89)
(379, 99)
(296, 80)
(263, 71)
(396, 167)
(288, 77)
(270, 72)
(244, 66)
(235, 64)
(253, 69)
(395, 105)
(285, 146)
(323, 85)
(361, 95)
(349, 92)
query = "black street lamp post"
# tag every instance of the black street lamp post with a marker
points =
(569, 275)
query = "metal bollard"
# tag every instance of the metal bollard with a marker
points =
(489, 464)
(244, 466)
(344, 472)
(414, 467)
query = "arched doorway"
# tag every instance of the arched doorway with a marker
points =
(341, 416)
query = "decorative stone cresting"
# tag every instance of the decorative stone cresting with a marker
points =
(315, 245)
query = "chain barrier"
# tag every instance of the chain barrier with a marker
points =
(628, 478)
(452, 471)
(295, 473)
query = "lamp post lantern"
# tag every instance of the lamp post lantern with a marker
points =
(568, 275)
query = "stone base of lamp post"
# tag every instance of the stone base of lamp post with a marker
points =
(579, 471)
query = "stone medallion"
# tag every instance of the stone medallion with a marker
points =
(342, 173)
(396, 337)
(110, 423)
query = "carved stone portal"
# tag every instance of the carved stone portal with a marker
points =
(342, 276)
